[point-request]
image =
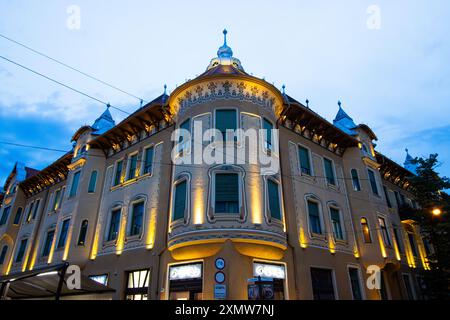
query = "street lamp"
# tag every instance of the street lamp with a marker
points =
(436, 212)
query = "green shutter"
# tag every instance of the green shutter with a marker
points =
(180, 200)
(226, 119)
(305, 166)
(274, 200)
(227, 187)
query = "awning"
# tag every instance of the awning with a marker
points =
(47, 282)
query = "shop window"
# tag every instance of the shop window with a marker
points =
(185, 282)
(137, 285)
(101, 278)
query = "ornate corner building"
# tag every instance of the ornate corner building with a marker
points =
(140, 225)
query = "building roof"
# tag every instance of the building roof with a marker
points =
(409, 163)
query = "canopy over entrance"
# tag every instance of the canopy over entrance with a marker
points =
(47, 282)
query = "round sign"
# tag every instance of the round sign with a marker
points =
(219, 277)
(220, 263)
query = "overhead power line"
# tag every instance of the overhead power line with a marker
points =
(64, 85)
(71, 68)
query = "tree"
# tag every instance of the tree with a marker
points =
(428, 188)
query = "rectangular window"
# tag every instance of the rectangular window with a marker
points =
(305, 161)
(5, 215)
(226, 120)
(148, 160)
(118, 173)
(398, 239)
(83, 233)
(114, 225)
(48, 243)
(21, 252)
(355, 180)
(336, 222)
(138, 283)
(274, 199)
(355, 283)
(18, 216)
(63, 233)
(137, 218)
(412, 243)
(397, 199)
(314, 217)
(56, 200)
(74, 187)
(179, 207)
(322, 284)
(132, 167)
(92, 182)
(388, 199)
(183, 141)
(30, 212)
(36, 208)
(373, 182)
(268, 127)
(227, 193)
(409, 286)
(329, 172)
(384, 232)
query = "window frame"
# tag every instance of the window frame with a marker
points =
(316, 200)
(113, 209)
(311, 167)
(269, 216)
(83, 244)
(94, 188)
(136, 201)
(73, 193)
(132, 155)
(333, 169)
(214, 201)
(268, 146)
(51, 229)
(3, 254)
(334, 206)
(17, 216)
(369, 233)
(237, 114)
(60, 233)
(357, 179)
(19, 250)
(375, 185)
(117, 179)
(187, 207)
(384, 231)
(360, 281)
(144, 160)
(5, 217)
(333, 280)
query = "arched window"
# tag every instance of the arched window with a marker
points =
(92, 182)
(366, 230)
(3, 254)
(83, 232)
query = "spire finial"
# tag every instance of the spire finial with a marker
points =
(407, 151)
(165, 89)
(225, 37)
(283, 87)
(339, 103)
(307, 103)
(108, 105)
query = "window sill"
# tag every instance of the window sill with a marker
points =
(132, 181)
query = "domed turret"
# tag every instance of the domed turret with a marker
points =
(225, 56)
